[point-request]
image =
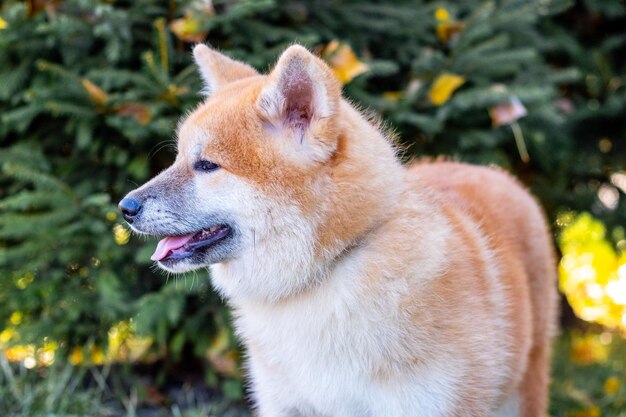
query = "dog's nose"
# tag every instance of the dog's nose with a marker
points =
(129, 208)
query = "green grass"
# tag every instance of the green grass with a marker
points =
(56, 391)
(64, 390)
(582, 365)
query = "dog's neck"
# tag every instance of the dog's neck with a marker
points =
(364, 191)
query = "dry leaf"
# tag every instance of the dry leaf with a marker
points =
(96, 94)
(188, 29)
(507, 113)
(140, 112)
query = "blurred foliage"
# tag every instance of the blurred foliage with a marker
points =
(91, 91)
(593, 275)
(589, 376)
(24, 393)
(64, 390)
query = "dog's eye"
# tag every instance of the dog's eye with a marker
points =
(205, 166)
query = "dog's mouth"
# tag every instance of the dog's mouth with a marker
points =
(176, 248)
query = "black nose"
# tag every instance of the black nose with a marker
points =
(129, 208)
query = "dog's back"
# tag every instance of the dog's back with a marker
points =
(519, 237)
(447, 308)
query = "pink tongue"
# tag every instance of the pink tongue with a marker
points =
(170, 243)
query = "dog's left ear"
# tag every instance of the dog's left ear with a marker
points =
(302, 90)
(217, 69)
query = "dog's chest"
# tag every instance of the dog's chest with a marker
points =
(326, 351)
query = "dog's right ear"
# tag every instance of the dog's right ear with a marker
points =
(217, 69)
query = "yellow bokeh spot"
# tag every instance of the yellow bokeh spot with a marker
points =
(123, 345)
(587, 412)
(442, 14)
(443, 87)
(6, 335)
(19, 353)
(3, 24)
(23, 281)
(111, 216)
(588, 349)
(343, 61)
(46, 353)
(565, 218)
(76, 357)
(591, 273)
(121, 234)
(96, 355)
(612, 385)
(16, 318)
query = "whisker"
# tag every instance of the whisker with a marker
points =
(161, 145)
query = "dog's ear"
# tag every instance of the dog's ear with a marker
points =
(301, 91)
(217, 69)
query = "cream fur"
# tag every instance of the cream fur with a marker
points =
(362, 287)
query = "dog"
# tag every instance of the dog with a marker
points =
(361, 287)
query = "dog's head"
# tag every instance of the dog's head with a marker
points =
(252, 171)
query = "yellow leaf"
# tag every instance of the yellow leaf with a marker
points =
(343, 61)
(3, 24)
(96, 94)
(446, 30)
(446, 26)
(443, 87)
(188, 29)
(442, 14)
(393, 95)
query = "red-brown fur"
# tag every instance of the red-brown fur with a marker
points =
(441, 271)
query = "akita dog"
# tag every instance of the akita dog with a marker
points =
(361, 287)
